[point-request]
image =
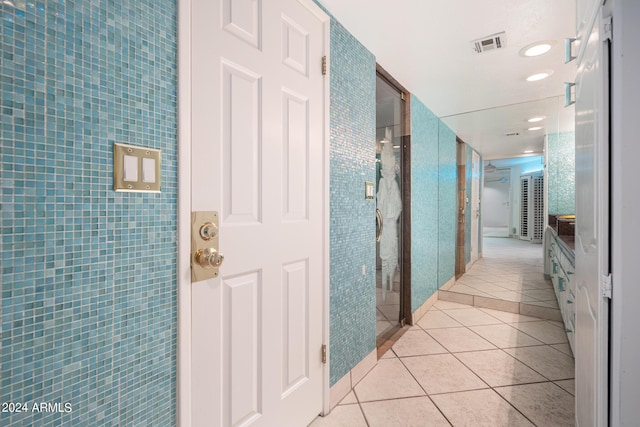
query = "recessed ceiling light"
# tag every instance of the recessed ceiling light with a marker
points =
(535, 128)
(537, 48)
(536, 119)
(528, 151)
(539, 76)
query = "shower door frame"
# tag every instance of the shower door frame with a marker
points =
(405, 315)
(461, 199)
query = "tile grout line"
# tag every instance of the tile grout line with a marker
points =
(474, 373)
(423, 389)
(546, 380)
(502, 350)
(478, 376)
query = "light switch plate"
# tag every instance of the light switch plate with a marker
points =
(136, 169)
(368, 190)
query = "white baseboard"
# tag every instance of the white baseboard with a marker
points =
(345, 384)
(417, 315)
(339, 390)
(449, 284)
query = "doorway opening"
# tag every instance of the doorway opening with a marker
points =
(393, 294)
(497, 206)
(513, 198)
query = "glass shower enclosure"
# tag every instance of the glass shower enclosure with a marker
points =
(389, 206)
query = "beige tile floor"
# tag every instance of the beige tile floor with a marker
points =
(510, 269)
(468, 366)
(495, 231)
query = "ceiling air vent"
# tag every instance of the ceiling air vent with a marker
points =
(514, 133)
(493, 42)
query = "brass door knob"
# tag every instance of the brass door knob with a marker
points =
(209, 258)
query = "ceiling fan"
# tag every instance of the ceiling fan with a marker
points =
(489, 167)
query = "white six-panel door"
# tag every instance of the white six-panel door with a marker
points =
(257, 123)
(592, 230)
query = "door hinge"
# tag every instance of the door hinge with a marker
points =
(324, 353)
(607, 29)
(324, 65)
(605, 286)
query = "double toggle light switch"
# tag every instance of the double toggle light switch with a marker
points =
(136, 169)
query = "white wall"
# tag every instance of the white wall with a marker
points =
(496, 204)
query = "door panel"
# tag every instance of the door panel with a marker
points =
(243, 377)
(241, 144)
(592, 232)
(295, 46)
(295, 326)
(257, 146)
(475, 206)
(295, 157)
(243, 18)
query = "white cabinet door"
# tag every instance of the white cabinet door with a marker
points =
(592, 232)
(257, 155)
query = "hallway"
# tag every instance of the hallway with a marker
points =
(470, 366)
(509, 277)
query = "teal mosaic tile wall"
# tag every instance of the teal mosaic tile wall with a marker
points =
(352, 311)
(352, 229)
(447, 211)
(424, 202)
(87, 275)
(561, 173)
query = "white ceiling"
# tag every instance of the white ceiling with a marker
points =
(425, 45)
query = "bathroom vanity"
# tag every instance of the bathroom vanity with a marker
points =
(559, 252)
